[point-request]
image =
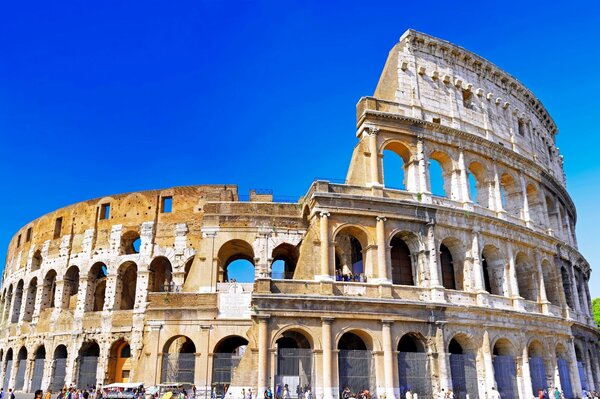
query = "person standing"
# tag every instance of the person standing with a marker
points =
(408, 394)
(268, 393)
(557, 394)
(48, 394)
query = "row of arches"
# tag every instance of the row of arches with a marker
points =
(496, 189)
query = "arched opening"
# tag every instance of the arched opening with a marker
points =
(294, 363)
(354, 363)
(566, 284)
(396, 164)
(161, 275)
(7, 303)
(402, 269)
(21, 366)
(59, 369)
(130, 243)
(505, 370)
(36, 260)
(96, 288)
(179, 360)
(450, 277)
(226, 357)
(88, 364)
(581, 368)
(551, 283)
(38, 368)
(593, 369)
(526, 277)
(71, 288)
(126, 286)
(49, 290)
(236, 262)
(463, 368)
(479, 185)
(119, 362)
(510, 195)
(414, 370)
(349, 247)
(186, 268)
(536, 212)
(285, 258)
(441, 175)
(8, 366)
(493, 270)
(552, 214)
(30, 299)
(17, 302)
(537, 370)
(562, 364)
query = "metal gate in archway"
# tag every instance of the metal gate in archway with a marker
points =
(20, 378)
(38, 374)
(565, 378)
(8, 371)
(582, 375)
(178, 367)
(294, 368)
(463, 368)
(59, 374)
(355, 370)
(222, 370)
(86, 376)
(414, 373)
(506, 377)
(537, 371)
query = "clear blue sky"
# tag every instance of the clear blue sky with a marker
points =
(105, 97)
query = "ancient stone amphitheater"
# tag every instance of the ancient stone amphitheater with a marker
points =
(476, 285)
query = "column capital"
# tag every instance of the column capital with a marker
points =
(327, 320)
(324, 214)
(380, 218)
(387, 322)
(263, 318)
(371, 130)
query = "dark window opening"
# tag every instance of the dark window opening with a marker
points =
(521, 127)
(104, 211)
(467, 96)
(28, 237)
(166, 205)
(437, 120)
(57, 227)
(19, 241)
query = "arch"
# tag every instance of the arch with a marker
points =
(96, 287)
(350, 242)
(49, 290)
(414, 371)
(38, 368)
(551, 282)
(125, 294)
(563, 366)
(241, 255)
(534, 202)
(294, 359)
(354, 362)
(527, 277)
(8, 302)
(396, 165)
(59, 368)
(88, 364)
(227, 354)
(161, 275)
(17, 302)
(510, 195)
(8, 366)
(505, 369)
(285, 257)
(130, 243)
(537, 368)
(463, 367)
(493, 270)
(70, 288)
(179, 360)
(30, 299)
(451, 258)
(187, 267)
(119, 361)
(403, 272)
(441, 175)
(553, 216)
(36, 260)
(21, 366)
(479, 184)
(566, 284)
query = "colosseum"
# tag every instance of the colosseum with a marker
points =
(475, 286)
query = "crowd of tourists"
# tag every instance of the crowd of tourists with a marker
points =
(350, 277)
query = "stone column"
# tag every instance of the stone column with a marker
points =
(526, 216)
(423, 172)
(382, 252)
(512, 275)
(327, 357)
(574, 370)
(112, 293)
(541, 284)
(39, 292)
(326, 274)
(263, 352)
(437, 290)
(526, 373)
(574, 288)
(388, 358)
(442, 358)
(486, 348)
(464, 192)
(498, 207)
(374, 158)
(477, 270)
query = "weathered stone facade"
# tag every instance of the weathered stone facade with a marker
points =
(461, 293)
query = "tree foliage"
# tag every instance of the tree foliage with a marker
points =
(596, 307)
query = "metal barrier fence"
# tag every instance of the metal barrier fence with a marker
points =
(464, 376)
(355, 370)
(178, 367)
(537, 371)
(565, 378)
(294, 368)
(8, 371)
(223, 366)
(20, 378)
(506, 377)
(38, 374)
(87, 371)
(59, 374)
(415, 374)
(582, 375)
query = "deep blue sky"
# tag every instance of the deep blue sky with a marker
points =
(106, 97)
